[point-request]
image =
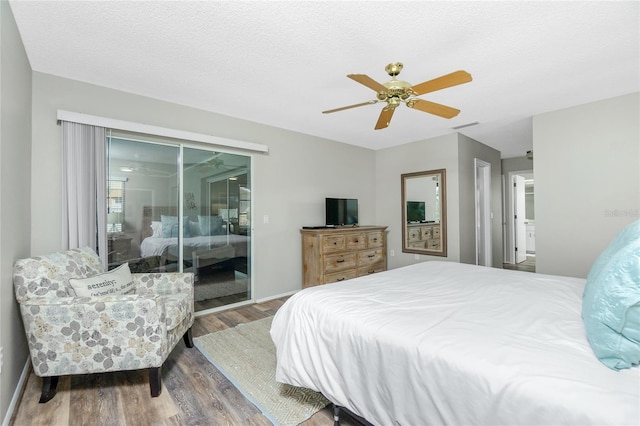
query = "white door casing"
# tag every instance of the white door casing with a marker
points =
(483, 212)
(520, 243)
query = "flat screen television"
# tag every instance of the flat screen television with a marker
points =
(341, 211)
(416, 211)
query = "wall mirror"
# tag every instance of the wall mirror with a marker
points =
(424, 212)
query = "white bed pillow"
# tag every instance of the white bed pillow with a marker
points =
(116, 281)
(156, 228)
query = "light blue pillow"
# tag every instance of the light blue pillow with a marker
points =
(630, 233)
(611, 301)
(170, 227)
(210, 225)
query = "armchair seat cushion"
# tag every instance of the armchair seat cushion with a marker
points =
(177, 307)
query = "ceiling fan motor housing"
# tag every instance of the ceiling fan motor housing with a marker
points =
(396, 89)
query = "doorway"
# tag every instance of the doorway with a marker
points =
(520, 223)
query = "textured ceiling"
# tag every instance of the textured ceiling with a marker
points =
(282, 63)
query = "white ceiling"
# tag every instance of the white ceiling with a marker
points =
(282, 63)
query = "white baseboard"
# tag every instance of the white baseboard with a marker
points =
(276, 296)
(16, 393)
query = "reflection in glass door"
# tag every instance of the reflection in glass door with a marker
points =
(206, 231)
(146, 175)
(214, 186)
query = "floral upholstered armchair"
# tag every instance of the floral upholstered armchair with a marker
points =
(80, 320)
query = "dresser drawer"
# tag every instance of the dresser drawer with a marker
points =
(371, 269)
(426, 232)
(340, 276)
(369, 257)
(433, 244)
(334, 243)
(356, 242)
(338, 262)
(375, 239)
(436, 232)
(413, 234)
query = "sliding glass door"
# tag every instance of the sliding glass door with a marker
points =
(217, 204)
(173, 207)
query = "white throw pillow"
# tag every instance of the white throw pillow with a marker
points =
(116, 281)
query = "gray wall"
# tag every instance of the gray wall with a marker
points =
(468, 150)
(435, 153)
(587, 174)
(15, 178)
(290, 183)
(455, 153)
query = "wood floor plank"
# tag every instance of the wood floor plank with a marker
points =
(94, 400)
(53, 412)
(194, 392)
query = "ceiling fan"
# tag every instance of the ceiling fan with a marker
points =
(397, 91)
(144, 169)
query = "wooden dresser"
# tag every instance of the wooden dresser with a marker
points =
(424, 236)
(337, 254)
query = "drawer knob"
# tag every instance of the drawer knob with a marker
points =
(372, 255)
(340, 261)
(340, 279)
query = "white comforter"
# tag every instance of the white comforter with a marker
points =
(154, 246)
(448, 343)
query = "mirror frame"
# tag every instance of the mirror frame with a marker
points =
(442, 174)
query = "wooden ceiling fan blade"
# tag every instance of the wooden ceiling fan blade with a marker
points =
(367, 81)
(349, 107)
(385, 118)
(449, 80)
(433, 108)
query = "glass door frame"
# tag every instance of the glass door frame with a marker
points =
(181, 145)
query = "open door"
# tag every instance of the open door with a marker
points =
(519, 217)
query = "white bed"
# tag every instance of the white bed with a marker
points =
(449, 343)
(168, 247)
(196, 244)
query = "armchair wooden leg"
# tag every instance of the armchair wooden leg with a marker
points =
(188, 338)
(155, 381)
(49, 385)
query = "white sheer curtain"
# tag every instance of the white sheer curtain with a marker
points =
(84, 207)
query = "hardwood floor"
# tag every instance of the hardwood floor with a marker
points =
(194, 392)
(529, 265)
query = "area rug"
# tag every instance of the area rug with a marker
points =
(207, 289)
(246, 355)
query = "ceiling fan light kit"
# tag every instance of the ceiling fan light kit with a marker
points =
(395, 92)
